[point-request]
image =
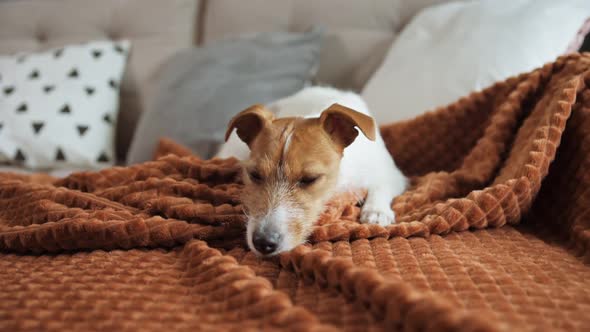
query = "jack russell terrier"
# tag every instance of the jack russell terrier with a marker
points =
(295, 162)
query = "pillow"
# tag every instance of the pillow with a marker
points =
(584, 35)
(198, 90)
(450, 50)
(58, 107)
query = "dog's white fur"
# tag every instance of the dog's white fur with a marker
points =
(365, 164)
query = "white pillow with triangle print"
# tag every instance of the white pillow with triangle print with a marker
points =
(58, 107)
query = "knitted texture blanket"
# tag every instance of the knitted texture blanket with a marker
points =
(493, 234)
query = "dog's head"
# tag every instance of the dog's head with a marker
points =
(292, 170)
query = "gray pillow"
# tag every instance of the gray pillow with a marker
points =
(197, 91)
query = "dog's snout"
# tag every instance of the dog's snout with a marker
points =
(266, 245)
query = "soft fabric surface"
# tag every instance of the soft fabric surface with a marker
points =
(199, 90)
(58, 108)
(493, 235)
(449, 50)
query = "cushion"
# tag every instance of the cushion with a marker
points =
(59, 108)
(449, 50)
(156, 28)
(198, 91)
(357, 37)
(57, 173)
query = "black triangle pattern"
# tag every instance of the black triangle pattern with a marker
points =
(89, 90)
(82, 129)
(73, 73)
(22, 108)
(19, 156)
(37, 126)
(103, 158)
(8, 90)
(34, 74)
(65, 109)
(59, 155)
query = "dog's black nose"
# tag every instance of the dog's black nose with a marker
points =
(265, 245)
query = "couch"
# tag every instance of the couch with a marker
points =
(493, 235)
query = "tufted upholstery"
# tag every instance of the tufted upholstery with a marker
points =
(359, 33)
(156, 29)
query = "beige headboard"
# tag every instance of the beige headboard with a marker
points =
(156, 28)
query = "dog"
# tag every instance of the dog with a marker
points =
(300, 151)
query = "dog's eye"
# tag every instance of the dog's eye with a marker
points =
(308, 180)
(255, 176)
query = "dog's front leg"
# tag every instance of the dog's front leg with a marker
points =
(389, 183)
(377, 207)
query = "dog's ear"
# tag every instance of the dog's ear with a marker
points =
(340, 122)
(249, 122)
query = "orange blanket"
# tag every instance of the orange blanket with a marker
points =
(494, 233)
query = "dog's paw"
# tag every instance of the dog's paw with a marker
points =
(382, 216)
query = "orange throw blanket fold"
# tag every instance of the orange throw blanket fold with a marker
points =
(493, 235)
